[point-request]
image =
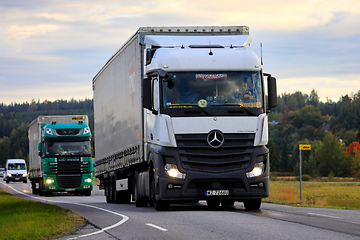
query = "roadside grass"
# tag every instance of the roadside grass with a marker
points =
(339, 195)
(25, 219)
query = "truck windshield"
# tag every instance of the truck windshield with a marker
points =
(213, 89)
(68, 148)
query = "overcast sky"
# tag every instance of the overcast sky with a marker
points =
(52, 49)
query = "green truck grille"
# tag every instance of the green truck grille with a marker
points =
(69, 166)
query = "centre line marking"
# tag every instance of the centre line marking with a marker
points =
(157, 227)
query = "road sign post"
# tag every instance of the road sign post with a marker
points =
(302, 147)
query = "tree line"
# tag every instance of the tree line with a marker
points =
(15, 119)
(332, 129)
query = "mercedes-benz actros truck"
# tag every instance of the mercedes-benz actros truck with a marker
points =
(181, 116)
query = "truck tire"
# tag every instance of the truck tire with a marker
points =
(107, 190)
(33, 187)
(212, 203)
(87, 192)
(41, 190)
(139, 201)
(253, 204)
(159, 205)
(227, 203)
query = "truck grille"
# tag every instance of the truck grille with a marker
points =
(69, 166)
(67, 132)
(196, 154)
(69, 181)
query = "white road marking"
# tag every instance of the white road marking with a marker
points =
(125, 218)
(157, 227)
(321, 215)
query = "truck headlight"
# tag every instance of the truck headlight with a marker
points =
(86, 130)
(49, 181)
(24, 174)
(9, 174)
(49, 131)
(172, 171)
(88, 180)
(257, 170)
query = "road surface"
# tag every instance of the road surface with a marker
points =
(197, 221)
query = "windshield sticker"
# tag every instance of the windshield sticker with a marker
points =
(211, 76)
(202, 103)
(251, 105)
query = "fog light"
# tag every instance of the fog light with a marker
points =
(87, 186)
(49, 181)
(170, 186)
(52, 188)
(261, 184)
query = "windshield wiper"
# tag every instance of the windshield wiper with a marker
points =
(240, 110)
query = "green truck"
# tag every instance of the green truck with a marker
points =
(60, 155)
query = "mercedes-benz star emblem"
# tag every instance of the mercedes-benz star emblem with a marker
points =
(215, 138)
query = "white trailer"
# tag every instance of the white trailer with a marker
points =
(180, 115)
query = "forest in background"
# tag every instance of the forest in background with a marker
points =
(332, 129)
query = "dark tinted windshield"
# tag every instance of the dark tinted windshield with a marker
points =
(213, 89)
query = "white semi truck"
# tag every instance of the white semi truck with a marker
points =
(181, 115)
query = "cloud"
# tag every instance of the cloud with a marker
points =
(43, 42)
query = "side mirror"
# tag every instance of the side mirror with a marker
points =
(40, 147)
(165, 76)
(40, 154)
(272, 92)
(146, 93)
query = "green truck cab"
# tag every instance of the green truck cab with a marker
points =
(61, 161)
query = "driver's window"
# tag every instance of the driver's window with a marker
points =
(156, 94)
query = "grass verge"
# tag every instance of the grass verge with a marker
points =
(25, 219)
(339, 195)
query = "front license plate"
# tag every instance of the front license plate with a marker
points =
(217, 192)
(70, 189)
(17, 179)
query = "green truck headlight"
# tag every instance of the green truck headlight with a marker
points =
(88, 180)
(49, 181)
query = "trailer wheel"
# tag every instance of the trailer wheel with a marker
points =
(253, 204)
(107, 194)
(33, 187)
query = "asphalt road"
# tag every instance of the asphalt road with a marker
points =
(197, 221)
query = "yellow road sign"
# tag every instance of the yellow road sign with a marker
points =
(305, 146)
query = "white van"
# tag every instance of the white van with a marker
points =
(15, 170)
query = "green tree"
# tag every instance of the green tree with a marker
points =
(4, 150)
(313, 98)
(331, 156)
(274, 157)
(19, 142)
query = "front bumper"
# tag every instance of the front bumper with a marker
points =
(195, 185)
